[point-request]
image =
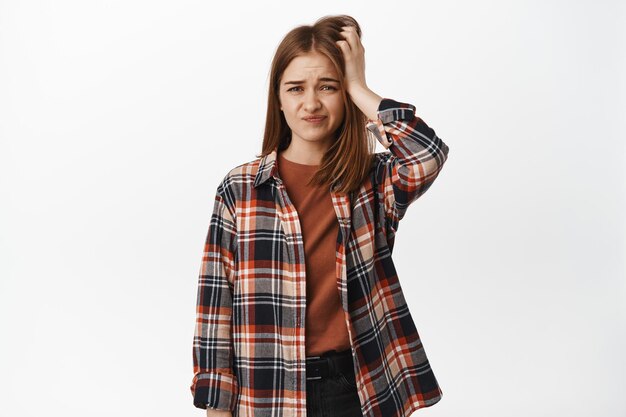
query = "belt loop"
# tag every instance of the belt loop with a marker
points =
(332, 365)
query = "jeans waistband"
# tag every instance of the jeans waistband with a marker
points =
(329, 364)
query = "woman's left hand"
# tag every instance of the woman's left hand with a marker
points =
(354, 56)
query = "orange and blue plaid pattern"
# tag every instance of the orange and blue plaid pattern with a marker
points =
(249, 347)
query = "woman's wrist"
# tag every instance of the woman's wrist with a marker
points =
(365, 99)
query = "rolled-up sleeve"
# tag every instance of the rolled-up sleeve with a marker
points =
(415, 155)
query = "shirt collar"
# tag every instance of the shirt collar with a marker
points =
(268, 168)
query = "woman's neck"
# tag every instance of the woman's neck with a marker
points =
(306, 153)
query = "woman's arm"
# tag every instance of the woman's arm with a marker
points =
(215, 385)
(416, 154)
(414, 159)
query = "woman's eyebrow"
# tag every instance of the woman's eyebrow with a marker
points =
(323, 79)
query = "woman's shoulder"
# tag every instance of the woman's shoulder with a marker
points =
(241, 175)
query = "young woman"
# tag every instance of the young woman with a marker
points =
(299, 310)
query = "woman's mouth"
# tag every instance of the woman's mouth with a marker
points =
(315, 119)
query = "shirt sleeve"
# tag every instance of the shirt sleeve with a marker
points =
(414, 157)
(214, 382)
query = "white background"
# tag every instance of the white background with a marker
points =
(119, 118)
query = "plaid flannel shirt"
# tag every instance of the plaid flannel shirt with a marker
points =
(248, 346)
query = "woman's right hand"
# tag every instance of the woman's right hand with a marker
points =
(212, 412)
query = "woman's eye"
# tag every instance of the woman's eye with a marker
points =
(326, 87)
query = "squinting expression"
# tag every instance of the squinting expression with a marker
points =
(311, 98)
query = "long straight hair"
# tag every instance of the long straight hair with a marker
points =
(348, 160)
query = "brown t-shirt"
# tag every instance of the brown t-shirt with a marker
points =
(325, 323)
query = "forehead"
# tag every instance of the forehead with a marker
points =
(310, 65)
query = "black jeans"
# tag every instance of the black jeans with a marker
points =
(333, 396)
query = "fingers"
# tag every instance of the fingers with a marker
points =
(353, 54)
(352, 38)
(344, 46)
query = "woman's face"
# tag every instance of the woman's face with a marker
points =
(309, 87)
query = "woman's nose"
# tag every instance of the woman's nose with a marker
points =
(311, 102)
